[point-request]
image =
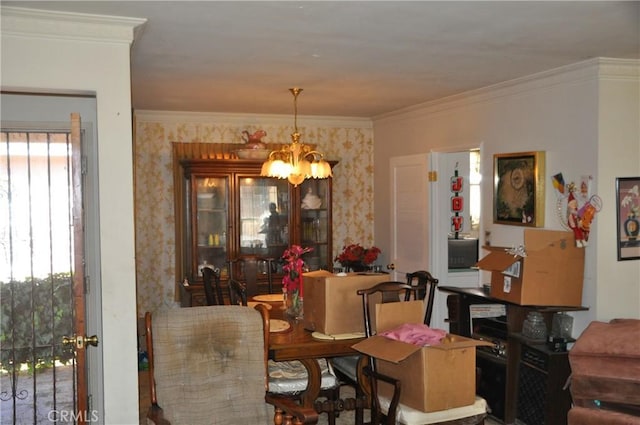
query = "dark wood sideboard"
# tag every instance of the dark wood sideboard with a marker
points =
(525, 379)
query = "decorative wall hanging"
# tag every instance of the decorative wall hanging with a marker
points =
(576, 207)
(518, 196)
(457, 204)
(628, 217)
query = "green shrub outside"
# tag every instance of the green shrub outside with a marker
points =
(33, 333)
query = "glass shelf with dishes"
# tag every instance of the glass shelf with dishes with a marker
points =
(210, 225)
(315, 223)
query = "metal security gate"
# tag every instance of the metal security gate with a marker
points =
(37, 372)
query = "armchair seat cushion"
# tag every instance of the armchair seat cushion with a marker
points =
(605, 363)
(346, 365)
(291, 377)
(471, 414)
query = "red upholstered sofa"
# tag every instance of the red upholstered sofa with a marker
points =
(605, 374)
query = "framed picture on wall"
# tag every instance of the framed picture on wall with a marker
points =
(628, 217)
(518, 189)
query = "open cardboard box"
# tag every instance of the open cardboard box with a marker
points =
(551, 274)
(331, 303)
(433, 378)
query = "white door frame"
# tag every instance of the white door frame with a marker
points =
(439, 229)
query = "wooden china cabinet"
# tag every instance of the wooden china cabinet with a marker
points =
(228, 216)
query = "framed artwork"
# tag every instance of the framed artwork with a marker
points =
(628, 217)
(518, 189)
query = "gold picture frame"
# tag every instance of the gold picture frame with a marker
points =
(518, 188)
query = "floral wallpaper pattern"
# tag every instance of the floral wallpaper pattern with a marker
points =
(350, 144)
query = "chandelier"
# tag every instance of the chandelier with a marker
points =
(297, 161)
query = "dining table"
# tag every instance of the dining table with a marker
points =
(297, 343)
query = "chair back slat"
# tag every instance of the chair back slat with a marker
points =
(211, 283)
(426, 286)
(237, 293)
(390, 291)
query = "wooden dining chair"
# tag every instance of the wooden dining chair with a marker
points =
(426, 286)
(237, 293)
(422, 286)
(384, 292)
(207, 366)
(211, 283)
(290, 378)
(388, 410)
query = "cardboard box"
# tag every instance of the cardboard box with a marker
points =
(434, 377)
(331, 303)
(551, 274)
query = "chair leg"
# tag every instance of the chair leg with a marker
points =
(363, 389)
(282, 418)
(334, 395)
(359, 409)
(278, 417)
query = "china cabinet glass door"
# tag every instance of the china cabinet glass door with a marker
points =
(264, 216)
(315, 222)
(210, 230)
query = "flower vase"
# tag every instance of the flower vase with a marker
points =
(355, 266)
(293, 303)
(632, 227)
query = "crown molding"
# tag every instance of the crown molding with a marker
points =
(619, 69)
(588, 70)
(25, 22)
(250, 119)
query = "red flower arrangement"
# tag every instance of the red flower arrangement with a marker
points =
(356, 253)
(293, 267)
(292, 280)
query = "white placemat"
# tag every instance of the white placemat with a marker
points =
(325, 337)
(268, 297)
(277, 325)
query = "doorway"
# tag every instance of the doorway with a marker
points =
(466, 164)
(37, 262)
(48, 116)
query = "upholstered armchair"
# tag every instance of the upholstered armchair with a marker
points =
(207, 366)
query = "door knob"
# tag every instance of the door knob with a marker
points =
(80, 341)
(391, 266)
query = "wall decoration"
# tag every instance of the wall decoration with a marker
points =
(518, 196)
(576, 207)
(628, 217)
(457, 204)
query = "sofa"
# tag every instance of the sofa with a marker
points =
(605, 374)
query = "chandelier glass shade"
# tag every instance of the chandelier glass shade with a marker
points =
(296, 161)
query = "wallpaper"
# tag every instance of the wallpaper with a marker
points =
(351, 145)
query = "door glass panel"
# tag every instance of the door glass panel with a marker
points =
(315, 223)
(36, 278)
(264, 216)
(211, 222)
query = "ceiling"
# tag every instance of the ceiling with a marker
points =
(353, 58)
